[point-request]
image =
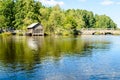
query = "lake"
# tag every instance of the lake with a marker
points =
(84, 57)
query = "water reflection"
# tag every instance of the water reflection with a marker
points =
(28, 56)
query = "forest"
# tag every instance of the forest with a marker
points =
(18, 14)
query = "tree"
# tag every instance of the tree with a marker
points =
(56, 20)
(27, 12)
(45, 13)
(19, 14)
(104, 21)
(7, 13)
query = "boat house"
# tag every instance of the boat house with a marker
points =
(35, 29)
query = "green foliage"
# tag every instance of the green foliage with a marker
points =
(104, 21)
(19, 14)
(7, 13)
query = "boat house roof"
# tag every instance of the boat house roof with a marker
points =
(33, 25)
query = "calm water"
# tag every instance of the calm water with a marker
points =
(60, 58)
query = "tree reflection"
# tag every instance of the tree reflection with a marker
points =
(26, 52)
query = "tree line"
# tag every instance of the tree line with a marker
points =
(18, 14)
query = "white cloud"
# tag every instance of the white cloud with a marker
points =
(110, 2)
(82, 0)
(51, 2)
(107, 2)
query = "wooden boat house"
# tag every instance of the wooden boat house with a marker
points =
(35, 29)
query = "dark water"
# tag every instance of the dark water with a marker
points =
(60, 58)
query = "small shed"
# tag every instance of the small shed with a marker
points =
(35, 29)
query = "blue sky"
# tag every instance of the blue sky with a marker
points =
(109, 7)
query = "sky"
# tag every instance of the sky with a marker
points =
(110, 8)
